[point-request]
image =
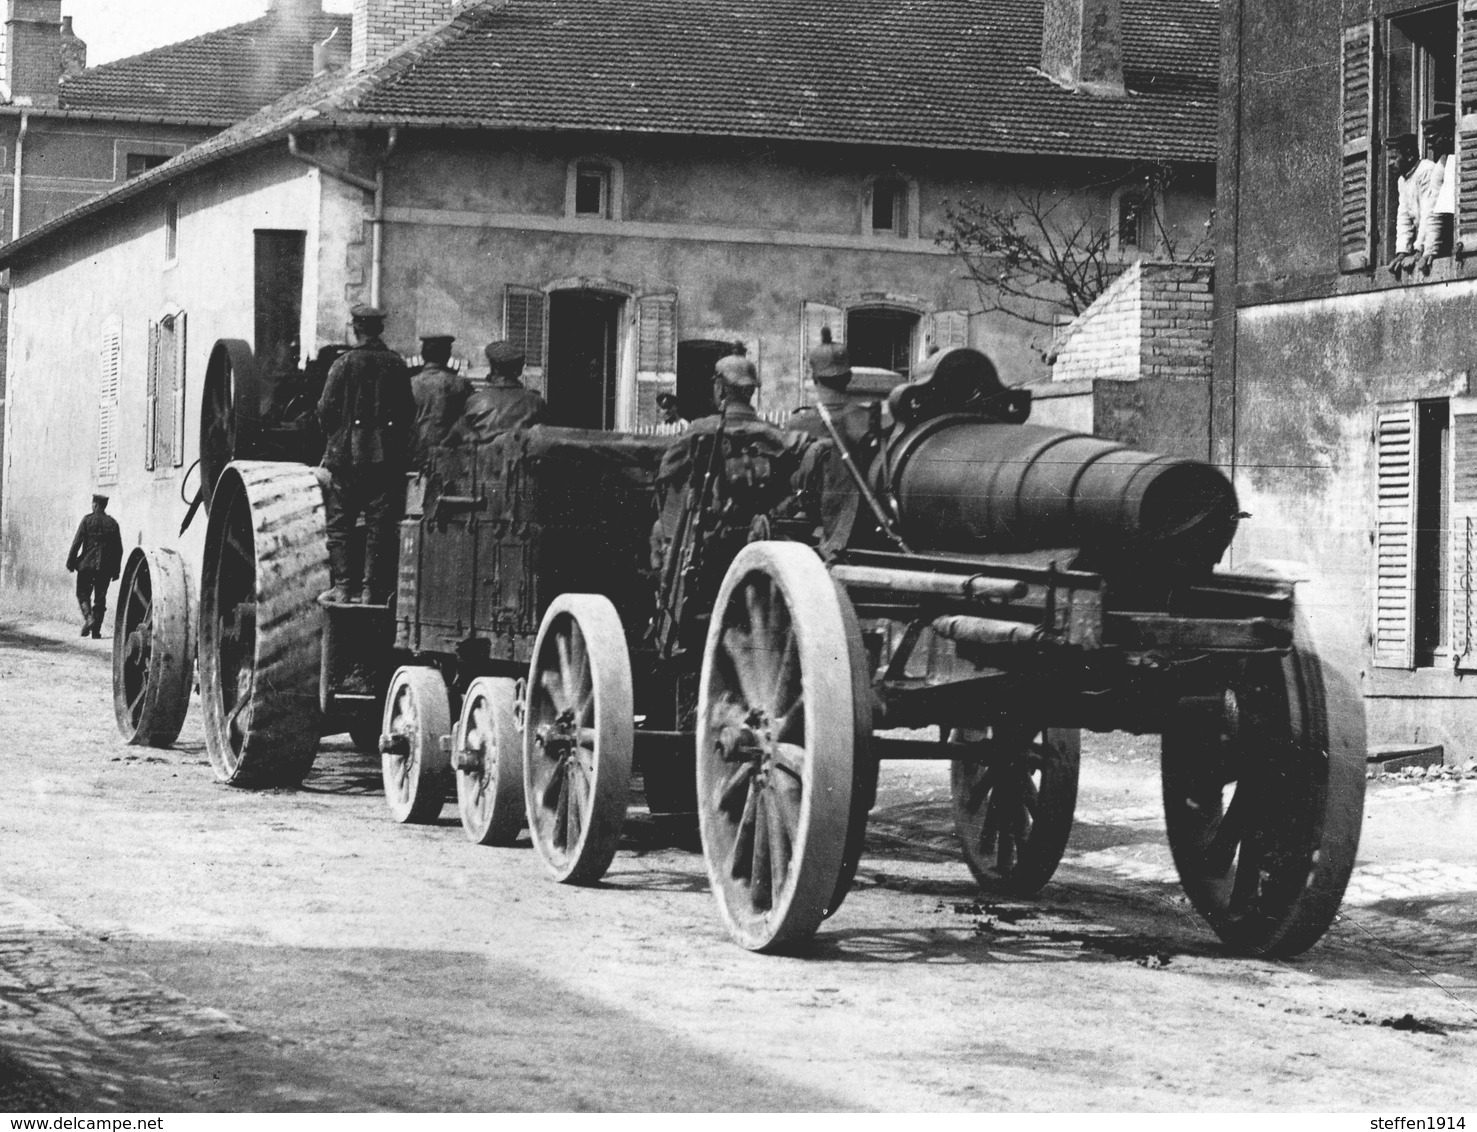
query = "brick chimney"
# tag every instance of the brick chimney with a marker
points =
(296, 11)
(74, 51)
(33, 50)
(1082, 46)
(380, 26)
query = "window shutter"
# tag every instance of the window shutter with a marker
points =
(1394, 583)
(177, 441)
(656, 355)
(523, 324)
(107, 419)
(1466, 131)
(1356, 223)
(151, 401)
(1464, 534)
(948, 328)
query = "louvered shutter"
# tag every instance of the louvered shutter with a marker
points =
(1394, 536)
(151, 401)
(1466, 131)
(177, 440)
(523, 325)
(656, 353)
(1463, 572)
(946, 329)
(107, 417)
(1356, 214)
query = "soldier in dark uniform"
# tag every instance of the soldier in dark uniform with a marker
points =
(504, 403)
(440, 396)
(367, 412)
(96, 555)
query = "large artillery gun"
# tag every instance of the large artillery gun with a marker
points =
(1003, 587)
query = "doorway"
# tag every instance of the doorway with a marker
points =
(697, 359)
(583, 377)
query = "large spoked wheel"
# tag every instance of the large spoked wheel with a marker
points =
(1013, 804)
(777, 728)
(230, 410)
(153, 647)
(489, 763)
(416, 769)
(266, 560)
(1264, 798)
(578, 736)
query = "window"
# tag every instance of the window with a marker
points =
(1134, 224)
(171, 231)
(882, 337)
(656, 348)
(137, 164)
(890, 206)
(523, 325)
(279, 259)
(1398, 74)
(1424, 612)
(164, 439)
(111, 374)
(592, 191)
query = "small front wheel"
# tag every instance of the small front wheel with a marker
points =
(416, 769)
(489, 763)
(578, 736)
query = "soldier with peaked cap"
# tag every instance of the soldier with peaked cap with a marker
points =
(367, 411)
(96, 555)
(504, 403)
(830, 368)
(440, 396)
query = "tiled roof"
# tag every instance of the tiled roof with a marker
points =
(956, 74)
(940, 74)
(222, 75)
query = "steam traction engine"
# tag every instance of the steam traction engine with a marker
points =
(1006, 584)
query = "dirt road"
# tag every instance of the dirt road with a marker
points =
(167, 943)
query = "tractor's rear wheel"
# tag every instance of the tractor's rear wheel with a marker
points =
(266, 561)
(230, 411)
(153, 647)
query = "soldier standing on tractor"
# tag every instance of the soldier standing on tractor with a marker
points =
(440, 396)
(96, 555)
(367, 412)
(504, 403)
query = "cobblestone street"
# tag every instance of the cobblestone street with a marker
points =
(169, 944)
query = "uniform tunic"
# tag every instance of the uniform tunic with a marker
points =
(502, 405)
(440, 399)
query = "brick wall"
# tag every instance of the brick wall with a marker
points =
(380, 26)
(33, 45)
(1154, 321)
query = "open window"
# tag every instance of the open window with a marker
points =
(883, 338)
(594, 189)
(890, 207)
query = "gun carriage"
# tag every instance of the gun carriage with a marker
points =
(995, 585)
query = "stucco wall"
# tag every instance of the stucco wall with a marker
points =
(58, 313)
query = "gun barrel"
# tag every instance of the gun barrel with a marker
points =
(966, 484)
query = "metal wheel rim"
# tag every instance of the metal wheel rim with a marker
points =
(490, 795)
(230, 622)
(136, 632)
(417, 710)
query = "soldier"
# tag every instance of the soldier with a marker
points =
(504, 403)
(96, 555)
(440, 396)
(367, 412)
(830, 367)
(671, 411)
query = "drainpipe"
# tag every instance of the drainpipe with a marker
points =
(20, 153)
(375, 185)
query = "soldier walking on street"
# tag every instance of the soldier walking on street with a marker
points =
(367, 412)
(96, 555)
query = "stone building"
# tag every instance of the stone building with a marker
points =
(623, 192)
(1344, 395)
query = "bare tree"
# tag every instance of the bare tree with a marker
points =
(1051, 252)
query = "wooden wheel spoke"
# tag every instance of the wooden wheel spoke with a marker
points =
(740, 854)
(758, 610)
(137, 701)
(761, 879)
(790, 758)
(733, 791)
(782, 810)
(555, 689)
(1228, 834)
(981, 787)
(549, 794)
(574, 795)
(784, 689)
(741, 655)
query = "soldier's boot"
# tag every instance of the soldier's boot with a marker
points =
(381, 562)
(343, 589)
(99, 611)
(86, 607)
